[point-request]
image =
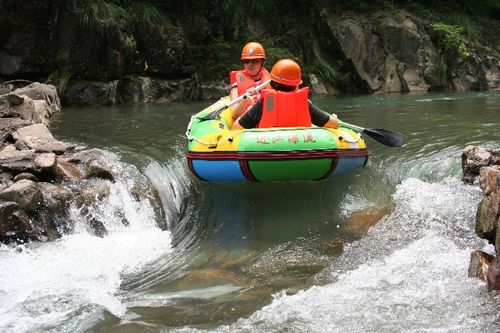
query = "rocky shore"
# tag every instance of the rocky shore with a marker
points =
(482, 166)
(341, 51)
(40, 177)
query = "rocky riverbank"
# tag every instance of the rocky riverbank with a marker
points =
(41, 177)
(482, 166)
(340, 51)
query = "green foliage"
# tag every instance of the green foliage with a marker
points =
(96, 14)
(275, 53)
(442, 68)
(60, 80)
(236, 12)
(216, 59)
(326, 72)
(460, 20)
(147, 15)
(449, 38)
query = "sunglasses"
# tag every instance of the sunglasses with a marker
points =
(251, 61)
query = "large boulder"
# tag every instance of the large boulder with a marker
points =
(15, 224)
(474, 158)
(34, 103)
(25, 193)
(483, 165)
(395, 54)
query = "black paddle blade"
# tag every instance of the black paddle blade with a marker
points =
(213, 115)
(388, 138)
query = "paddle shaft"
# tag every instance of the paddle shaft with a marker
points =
(214, 114)
(385, 137)
(245, 95)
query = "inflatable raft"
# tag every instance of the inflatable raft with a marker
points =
(217, 154)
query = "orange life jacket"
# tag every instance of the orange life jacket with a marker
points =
(285, 109)
(245, 81)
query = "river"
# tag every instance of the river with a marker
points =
(275, 257)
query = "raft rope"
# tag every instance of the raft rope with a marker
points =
(191, 138)
(343, 135)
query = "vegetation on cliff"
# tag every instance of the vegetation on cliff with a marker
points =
(108, 39)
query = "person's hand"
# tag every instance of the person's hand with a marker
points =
(253, 99)
(251, 91)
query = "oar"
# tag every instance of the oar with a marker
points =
(388, 138)
(215, 114)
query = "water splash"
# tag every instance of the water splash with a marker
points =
(409, 273)
(49, 285)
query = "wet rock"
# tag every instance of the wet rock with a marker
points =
(90, 93)
(91, 192)
(98, 168)
(213, 91)
(42, 92)
(489, 179)
(358, 223)
(25, 193)
(474, 158)
(317, 87)
(17, 161)
(67, 170)
(15, 224)
(26, 175)
(97, 228)
(487, 218)
(46, 162)
(56, 198)
(493, 275)
(82, 156)
(56, 147)
(45, 223)
(34, 135)
(479, 264)
(9, 125)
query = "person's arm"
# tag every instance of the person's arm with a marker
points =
(233, 93)
(249, 119)
(253, 97)
(321, 118)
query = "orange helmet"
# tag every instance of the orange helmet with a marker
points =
(253, 50)
(287, 72)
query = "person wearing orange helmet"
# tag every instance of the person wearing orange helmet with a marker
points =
(285, 105)
(253, 73)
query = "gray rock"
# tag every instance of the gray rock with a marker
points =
(489, 179)
(26, 175)
(56, 147)
(34, 135)
(18, 161)
(46, 162)
(67, 170)
(15, 224)
(486, 218)
(473, 159)
(91, 192)
(43, 92)
(56, 198)
(98, 168)
(479, 264)
(25, 193)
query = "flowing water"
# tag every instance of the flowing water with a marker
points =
(278, 257)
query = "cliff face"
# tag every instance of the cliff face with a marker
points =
(122, 61)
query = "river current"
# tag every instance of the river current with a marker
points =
(268, 257)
